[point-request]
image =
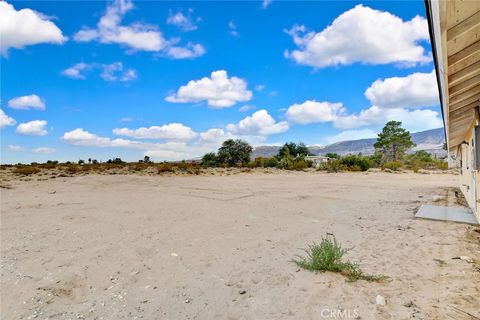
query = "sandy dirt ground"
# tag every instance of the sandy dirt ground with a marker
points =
(220, 247)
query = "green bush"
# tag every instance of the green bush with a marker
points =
(272, 163)
(393, 165)
(375, 159)
(332, 155)
(420, 155)
(355, 163)
(331, 166)
(209, 160)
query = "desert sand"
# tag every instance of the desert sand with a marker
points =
(220, 247)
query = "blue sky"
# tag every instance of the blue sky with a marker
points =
(174, 79)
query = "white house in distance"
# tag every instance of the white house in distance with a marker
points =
(318, 160)
(455, 37)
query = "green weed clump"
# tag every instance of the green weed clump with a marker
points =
(327, 256)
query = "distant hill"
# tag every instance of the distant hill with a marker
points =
(430, 140)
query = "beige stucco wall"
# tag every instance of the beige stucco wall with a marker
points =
(469, 177)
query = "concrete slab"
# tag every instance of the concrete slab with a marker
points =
(454, 214)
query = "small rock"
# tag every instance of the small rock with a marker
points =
(187, 300)
(173, 254)
(437, 198)
(464, 258)
(408, 304)
(380, 300)
(242, 291)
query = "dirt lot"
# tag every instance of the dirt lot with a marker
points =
(220, 247)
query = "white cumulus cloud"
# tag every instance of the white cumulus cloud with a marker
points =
(6, 120)
(77, 71)
(218, 90)
(115, 72)
(27, 102)
(15, 148)
(25, 27)
(312, 111)
(416, 120)
(171, 131)
(213, 135)
(44, 150)
(189, 51)
(32, 128)
(362, 35)
(413, 91)
(170, 150)
(137, 36)
(261, 123)
(184, 22)
(80, 137)
(247, 107)
(110, 72)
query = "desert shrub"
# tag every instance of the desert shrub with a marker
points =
(72, 169)
(423, 160)
(194, 170)
(271, 163)
(48, 165)
(95, 167)
(165, 168)
(209, 160)
(441, 164)
(263, 162)
(375, 160)
(87, 168)
(138, 166)
(301, 163)
(327, 256)
(285, 162)
(26, 170)
(290, 163)
(330, 166)
(421, 155)
(355, 163)
(393, 165)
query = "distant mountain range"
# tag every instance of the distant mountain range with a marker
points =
(430, 140)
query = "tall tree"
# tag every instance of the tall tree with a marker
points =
(393, 141)
(233, 152)
(293, 149)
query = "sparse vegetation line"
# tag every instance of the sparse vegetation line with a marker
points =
(390, 155)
